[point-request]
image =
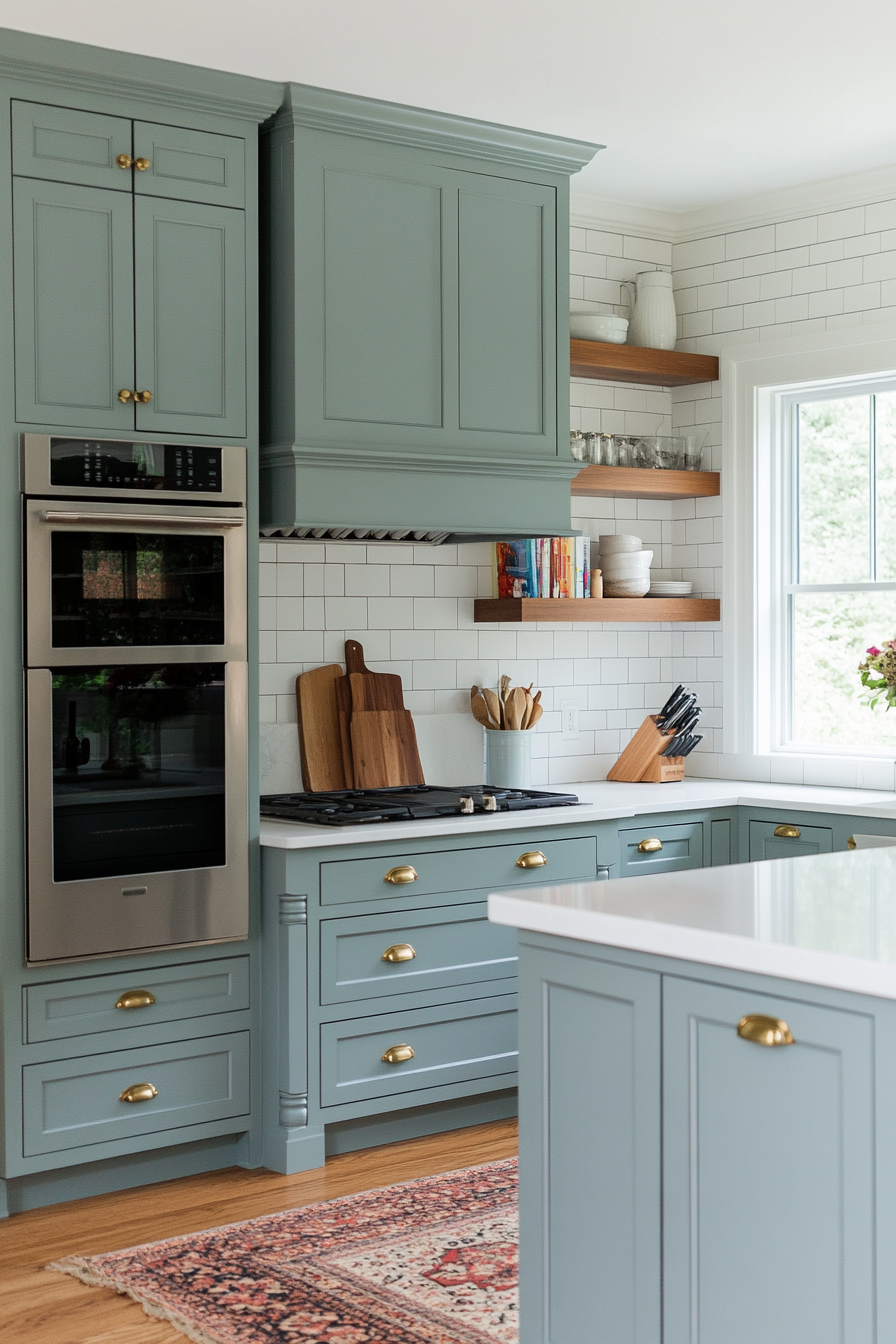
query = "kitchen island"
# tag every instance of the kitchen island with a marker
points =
(708, 1104)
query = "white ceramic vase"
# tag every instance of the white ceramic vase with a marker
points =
(508, 759)
(653, 321)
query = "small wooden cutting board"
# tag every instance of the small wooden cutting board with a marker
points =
(319, 733)
(384, 749)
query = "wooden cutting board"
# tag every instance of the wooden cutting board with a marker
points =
(370, 690)
(384, 749)
(319, 733)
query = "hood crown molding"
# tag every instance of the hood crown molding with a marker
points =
(76, 65)
(771, 207)
(397, 123)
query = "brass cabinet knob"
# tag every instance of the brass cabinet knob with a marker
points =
(397, 1054)
(141, 165)
(400, 876)
(787, 832)
(399, 952)
(651, 845)
(143, 397)
(125, 395)
(851, 842)
(139, 1092)
(124, 161)
(533, 858)
(136, 998)
(762, 1030)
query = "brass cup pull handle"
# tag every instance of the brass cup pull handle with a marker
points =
(399, 952)
(125, 395)
(763, 1030)
(401, 876)
(851, 842)
(143, 397)
(650, 846)
(787, 832)
(141, 165)
(397, 1054)
(533, 858)
(139, 1092)
(136, 998)
(124, 161)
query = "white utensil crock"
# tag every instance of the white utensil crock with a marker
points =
(508, 758)
(653, 321)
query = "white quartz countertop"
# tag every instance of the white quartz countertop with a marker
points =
(827, 920)
(598, 802)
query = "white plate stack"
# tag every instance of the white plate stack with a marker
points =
(670, 588)
(624, 565)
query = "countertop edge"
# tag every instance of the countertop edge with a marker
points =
(710, 948)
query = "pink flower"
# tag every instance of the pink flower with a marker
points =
(873, 651)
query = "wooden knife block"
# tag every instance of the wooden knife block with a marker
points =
(642, 761)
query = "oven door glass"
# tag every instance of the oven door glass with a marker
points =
(134, 588)
(138, 769)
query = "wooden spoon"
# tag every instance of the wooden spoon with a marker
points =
(480, 708)
(536, 714)
(517, 708)
(495, 707)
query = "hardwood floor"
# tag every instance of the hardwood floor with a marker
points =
(41, 1308)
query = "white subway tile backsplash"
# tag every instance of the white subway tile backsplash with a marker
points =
(841, 223)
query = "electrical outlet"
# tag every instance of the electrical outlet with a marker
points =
(569, 720)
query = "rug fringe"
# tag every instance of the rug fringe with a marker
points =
(80, 1269)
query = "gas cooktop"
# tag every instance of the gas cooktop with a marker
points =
(415, 802)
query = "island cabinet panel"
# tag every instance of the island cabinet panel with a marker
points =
(128, 280)
(769, 1220)
(589, 1140)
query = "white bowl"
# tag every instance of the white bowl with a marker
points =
(626, 587)
(627, 566)
(598, 327)
(670, 588)
(614, 543)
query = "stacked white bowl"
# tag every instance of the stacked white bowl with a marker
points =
(624, 565)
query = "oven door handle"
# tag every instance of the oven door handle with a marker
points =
(143, 519)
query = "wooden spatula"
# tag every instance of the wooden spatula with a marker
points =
(318, 720)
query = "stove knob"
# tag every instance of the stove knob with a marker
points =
(489, 802)
(467, 806)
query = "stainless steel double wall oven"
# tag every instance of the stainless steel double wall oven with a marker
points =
(136, 689)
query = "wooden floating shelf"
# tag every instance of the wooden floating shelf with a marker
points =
(640, 364)
(645, 483)
(520, 610)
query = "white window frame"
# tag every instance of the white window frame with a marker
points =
(759, 383)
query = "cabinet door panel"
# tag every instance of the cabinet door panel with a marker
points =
(506, 327)
(382, 299)
(589, 1151)
(190, 165)
(191, 317)
(764, 844)
(74, 305)
(61, 145)
(681, 847)
(765, 1147)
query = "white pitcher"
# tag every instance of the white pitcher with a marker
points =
(652, 306)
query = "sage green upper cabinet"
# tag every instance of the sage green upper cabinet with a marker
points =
(130, 274)
(417, 280)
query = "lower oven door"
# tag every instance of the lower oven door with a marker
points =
(137, 808)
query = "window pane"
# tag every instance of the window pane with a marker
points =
(886, 485)
(831, 632)
(834, 493)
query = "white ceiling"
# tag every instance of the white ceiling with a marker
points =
(698, 102)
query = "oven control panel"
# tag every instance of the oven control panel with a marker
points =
(58, 464)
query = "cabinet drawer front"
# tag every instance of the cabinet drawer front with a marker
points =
(190, 165)
(764, 844)
(78, 1007)
(61, 145)
(451, 1044)
(682, 847)
(78, 1102)
(491, 867)
(453, 947)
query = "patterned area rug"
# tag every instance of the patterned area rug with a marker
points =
(432, 1261)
